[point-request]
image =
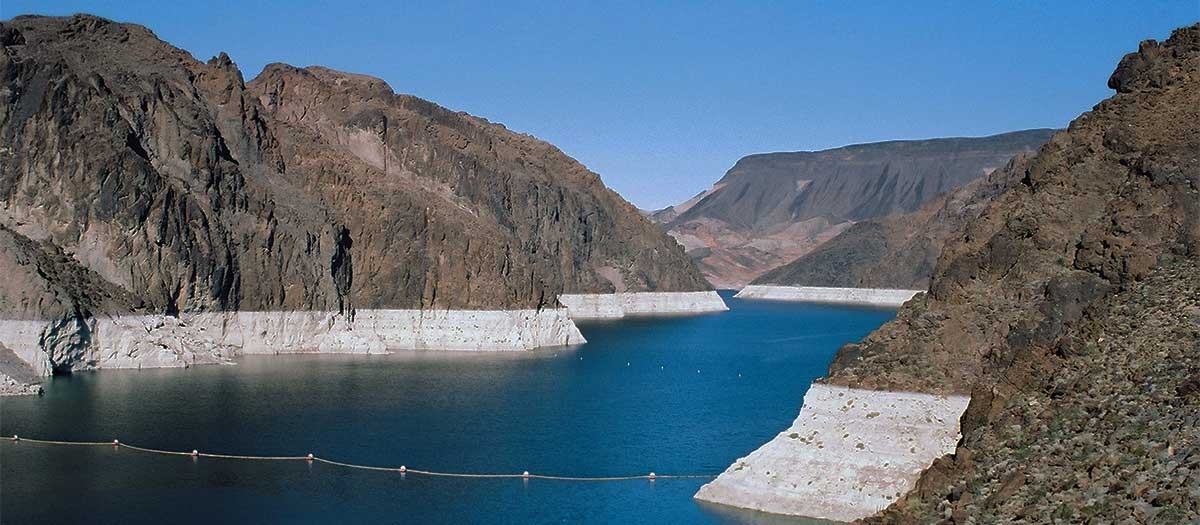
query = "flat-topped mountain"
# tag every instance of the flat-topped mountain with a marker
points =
(771, 208)
(175, 186)
(897, 251)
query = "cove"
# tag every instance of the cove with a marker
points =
(673, 395)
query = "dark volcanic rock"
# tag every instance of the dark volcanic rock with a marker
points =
(178, 187)
(1067, 309)
(771, 208)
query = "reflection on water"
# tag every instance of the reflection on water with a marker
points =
(669, 395)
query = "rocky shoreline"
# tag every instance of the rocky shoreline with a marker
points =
(849, 454)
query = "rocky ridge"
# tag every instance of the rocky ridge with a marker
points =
(1067, 310)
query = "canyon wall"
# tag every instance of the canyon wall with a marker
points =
(138, 181)
(1068, 311)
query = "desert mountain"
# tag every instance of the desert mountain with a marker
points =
(1069, 309)
(174, 181)
(897, 251)
(771, 208)
(136, 179)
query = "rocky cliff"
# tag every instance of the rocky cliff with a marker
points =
(771, 208)
(165, 185)
(1068, 310)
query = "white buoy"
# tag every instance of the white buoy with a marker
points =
(310, 456)
(525, 474)
(651, 476)
(195, 452)
(16, 438)
(403, 469)
(116, 443)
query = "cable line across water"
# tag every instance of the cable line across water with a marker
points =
(317, 459)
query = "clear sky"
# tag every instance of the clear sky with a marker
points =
(661, 98)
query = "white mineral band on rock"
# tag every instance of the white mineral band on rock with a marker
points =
(375, 331)
(157, 341)
(849, 454)
(617, 305)
(821, 294)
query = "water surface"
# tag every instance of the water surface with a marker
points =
(680, 395)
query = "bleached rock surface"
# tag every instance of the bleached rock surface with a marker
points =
(617, 305)
(374, 331)
(849, 454)
(821, 294)
(23, 338)
(157, 341)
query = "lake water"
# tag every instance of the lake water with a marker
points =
(685, 395)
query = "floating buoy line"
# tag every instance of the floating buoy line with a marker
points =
(312, 458)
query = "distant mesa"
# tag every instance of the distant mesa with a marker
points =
(898, 251)
(772, 208)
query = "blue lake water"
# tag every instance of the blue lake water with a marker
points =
(685, 395)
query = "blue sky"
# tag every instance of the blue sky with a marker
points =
(662, 98)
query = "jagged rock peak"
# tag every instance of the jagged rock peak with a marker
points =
(1156, 65)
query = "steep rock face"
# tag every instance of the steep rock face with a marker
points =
(899, 251)
(174, 187)
(453, 210)
(152, 170)
(1068, 307)
(1099, 207)
(771, 208)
